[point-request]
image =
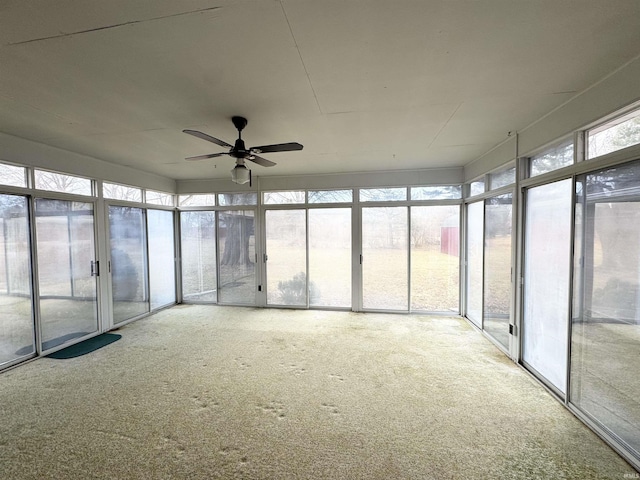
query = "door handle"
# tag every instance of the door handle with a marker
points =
(95, 268)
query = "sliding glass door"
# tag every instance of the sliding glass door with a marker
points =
(237, 247)
(66, 268)
(475, 262)
(130, 292)
(497, 267)
(162, 269)
(324, 245)
(605, 335)
(198, 253)
(547, 253)
(286, 242)
(17, 337)
(435, 258)
(385, 258)
(218, 253)
(330, 257)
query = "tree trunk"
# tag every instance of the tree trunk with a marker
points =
(236, 243)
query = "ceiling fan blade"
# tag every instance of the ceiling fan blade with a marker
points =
(202, 157)
(208, 138)
(260, 161)
(280, 147)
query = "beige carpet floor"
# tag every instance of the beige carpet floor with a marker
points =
(200, 392)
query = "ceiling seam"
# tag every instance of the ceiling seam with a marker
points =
(107, 27)
(306, 72)
(435, 137)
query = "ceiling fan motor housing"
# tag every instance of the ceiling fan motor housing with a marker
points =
(239, 122)
(239, 150)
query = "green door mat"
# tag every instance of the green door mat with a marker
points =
(86, 346)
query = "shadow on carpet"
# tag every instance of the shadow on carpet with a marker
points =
(87, 346)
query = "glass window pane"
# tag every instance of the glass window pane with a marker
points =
(287, 257)
(383, 194)
(159, 198)
(476, 188)
(162, 270)
(385, 283)
(236, 233)
(197, 200)
(129, 286)
(475, 251)
(443, 192)
(280, 198)
(497, 267)
(16, 323)
(66, 251)
(237, 199)
(547, 250)
(614, 183)
(501, 179)
(552, 159)
(330, 257)
(121, 192)
(58, 182)
(435, 262)
(198, 243)
(330, 196)
(605, 335)
(11, 175)
(620, 133)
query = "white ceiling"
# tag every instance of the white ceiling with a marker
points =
(363, 85)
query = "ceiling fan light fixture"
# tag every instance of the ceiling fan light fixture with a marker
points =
(240, 174)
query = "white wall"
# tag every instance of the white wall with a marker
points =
(499, 155)
(25, 152)
(436, 176)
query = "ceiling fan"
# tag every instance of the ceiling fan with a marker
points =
(240, 173)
